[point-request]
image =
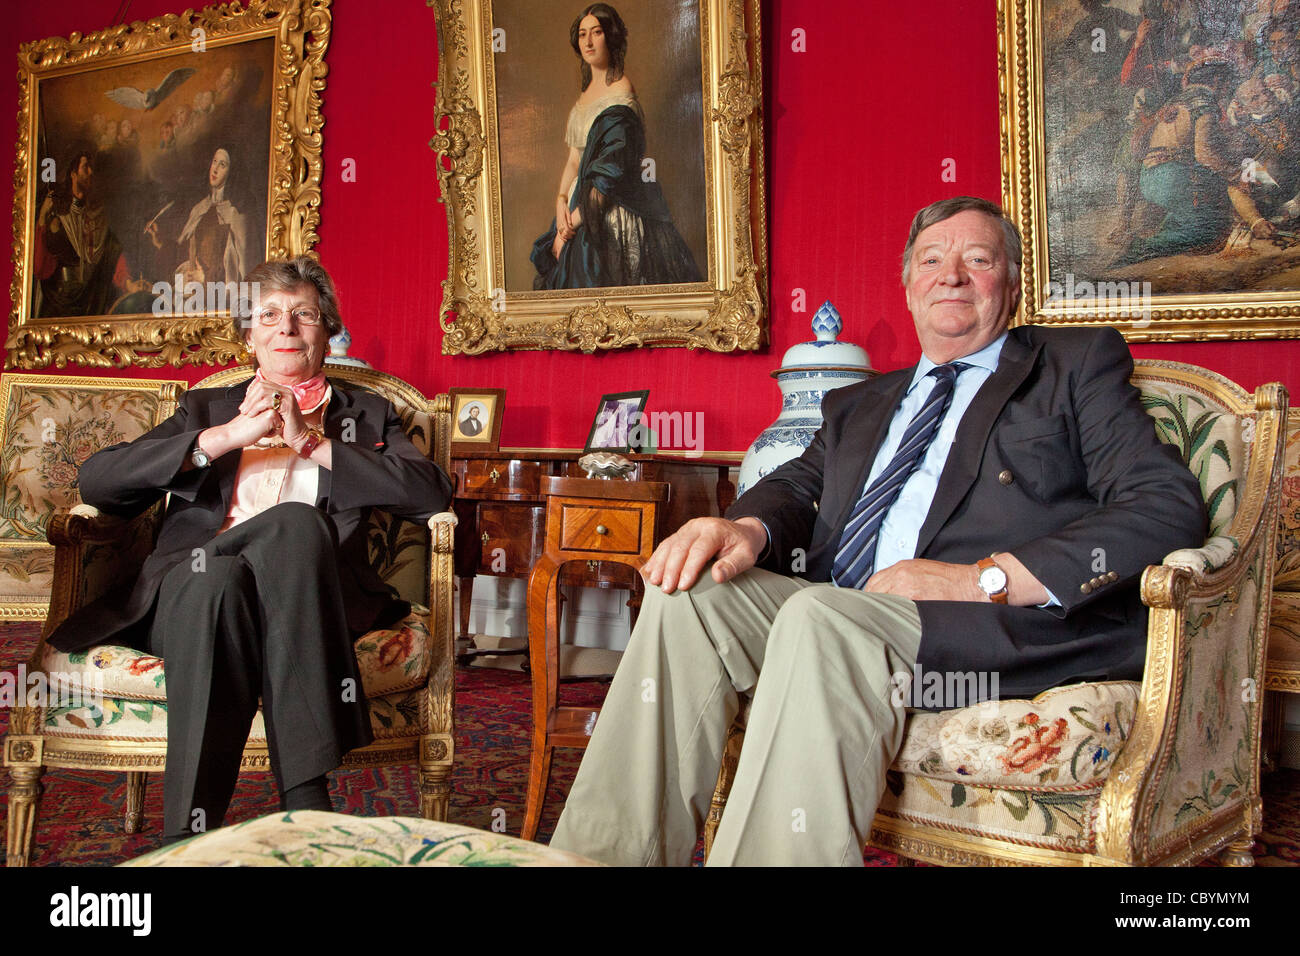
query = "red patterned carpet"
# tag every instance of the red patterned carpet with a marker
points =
(81, 812)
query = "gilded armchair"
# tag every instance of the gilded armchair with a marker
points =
(1161, 772)
(407, 671)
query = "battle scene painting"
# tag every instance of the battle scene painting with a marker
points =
(1172, 136)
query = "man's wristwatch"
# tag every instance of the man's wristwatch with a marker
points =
(992, 580)
(200, 457)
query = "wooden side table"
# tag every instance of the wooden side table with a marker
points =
(587, 519)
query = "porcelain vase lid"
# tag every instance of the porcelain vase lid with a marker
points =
(826, 349)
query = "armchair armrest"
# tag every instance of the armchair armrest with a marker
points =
(442, 527)
(1217, 553)
(93, 552)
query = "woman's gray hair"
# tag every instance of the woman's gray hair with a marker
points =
(947, 208)
(286, 275)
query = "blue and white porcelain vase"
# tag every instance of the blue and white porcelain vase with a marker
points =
(339, 345)
(808, 371)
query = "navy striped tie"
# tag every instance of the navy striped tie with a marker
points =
(857, 552)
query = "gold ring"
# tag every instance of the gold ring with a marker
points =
(275, 401)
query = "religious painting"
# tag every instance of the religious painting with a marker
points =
(1152, 161)
(157, 170)
(476, 415)
(606, 188)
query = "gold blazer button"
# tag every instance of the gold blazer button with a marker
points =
(1006, 477)
(1085, 587)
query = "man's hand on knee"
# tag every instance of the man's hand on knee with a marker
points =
(680, 558)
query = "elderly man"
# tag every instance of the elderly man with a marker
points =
(949, 517)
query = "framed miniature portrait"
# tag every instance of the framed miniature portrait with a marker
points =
(476, 419)
(614, 426)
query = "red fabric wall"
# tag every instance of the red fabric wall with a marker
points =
(858, 129)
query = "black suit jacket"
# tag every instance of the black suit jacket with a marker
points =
(374, 466)
(1054, 461)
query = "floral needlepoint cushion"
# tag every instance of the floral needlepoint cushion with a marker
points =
(398, 658)
(114, 671)
(72, 713)
(391, 661)
(316, 838)
(1066, 738)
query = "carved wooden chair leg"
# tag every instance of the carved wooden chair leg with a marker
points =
(726, 775)
(435, 777)
(136, 781)
(1237, 853)
(24, 804)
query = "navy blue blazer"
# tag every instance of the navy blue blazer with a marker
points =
(1056, 462)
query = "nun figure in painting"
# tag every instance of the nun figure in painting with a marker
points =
(611, 228)
(213, 243)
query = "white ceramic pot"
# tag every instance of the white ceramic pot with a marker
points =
(808, 371)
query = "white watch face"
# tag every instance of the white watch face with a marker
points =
(992, 580)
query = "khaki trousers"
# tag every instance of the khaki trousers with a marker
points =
(822, 730)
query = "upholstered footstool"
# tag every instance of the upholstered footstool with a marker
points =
(316, 838)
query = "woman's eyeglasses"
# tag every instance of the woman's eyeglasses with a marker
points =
(303, 316)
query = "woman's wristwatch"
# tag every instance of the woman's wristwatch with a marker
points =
(314, 437)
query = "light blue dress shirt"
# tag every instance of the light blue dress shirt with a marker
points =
(902, 525)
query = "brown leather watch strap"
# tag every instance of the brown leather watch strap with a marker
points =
(997, 597)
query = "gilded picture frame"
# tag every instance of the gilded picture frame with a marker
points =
(187, 145)
(1147, 159)
(509, 75)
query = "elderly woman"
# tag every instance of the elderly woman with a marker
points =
(259, 581)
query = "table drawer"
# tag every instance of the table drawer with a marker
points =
(510, 534)
(492, 478)
(610, 528)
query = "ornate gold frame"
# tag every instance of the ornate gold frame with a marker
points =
(731, 314)
(302, 30)
(1170, 318)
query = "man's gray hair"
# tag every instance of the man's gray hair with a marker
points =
(286, 275)
(947, 208)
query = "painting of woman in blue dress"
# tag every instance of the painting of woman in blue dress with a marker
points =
(612, 226)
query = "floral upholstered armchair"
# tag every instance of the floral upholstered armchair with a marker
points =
(49, 425)
(1161, 772)
(121, 722)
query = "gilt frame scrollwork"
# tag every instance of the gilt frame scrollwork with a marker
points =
(483, 309)
(288, 41)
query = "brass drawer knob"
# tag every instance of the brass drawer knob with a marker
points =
(601, 529)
